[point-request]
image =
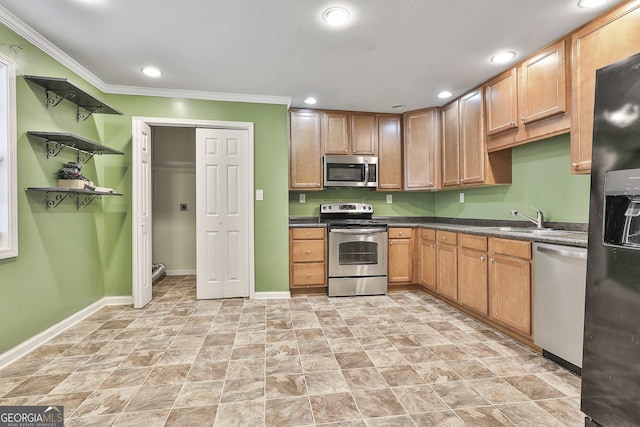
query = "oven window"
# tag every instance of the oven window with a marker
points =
(344, 172)
(358, 253)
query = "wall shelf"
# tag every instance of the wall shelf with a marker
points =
(56, 141)
(55, 195)
(58, 89)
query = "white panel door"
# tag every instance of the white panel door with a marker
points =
(223, 192)
(142, 245)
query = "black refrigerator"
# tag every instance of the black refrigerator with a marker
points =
(611, 354)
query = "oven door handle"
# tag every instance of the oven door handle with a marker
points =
(366, 173)
(356, 230)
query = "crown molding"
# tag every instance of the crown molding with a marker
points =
(35, 38)
(194, 94)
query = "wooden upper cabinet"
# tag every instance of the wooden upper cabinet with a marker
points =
(389, 152)
(305, 150)
(502, 102)
(364, 134)
(543, 84)
(605, 40)
(349, 133)
(421, 150)
(336, 133)
(450, 145)
(472, 141)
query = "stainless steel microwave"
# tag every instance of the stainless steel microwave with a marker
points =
(350, 171)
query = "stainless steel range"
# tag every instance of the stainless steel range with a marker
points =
(357, 250)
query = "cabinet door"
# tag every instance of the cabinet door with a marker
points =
(610, 38)
(336, 132)
(542, 85)
(305, 162)
(399, 261)
(428, 264)
(447, 271)
(510, 292)
(472, 280)
(390, 153)
(421, 142)
(364, 134)
(502, 102)
(450, 145)
(472, 138)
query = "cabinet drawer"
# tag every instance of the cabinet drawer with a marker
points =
(399, 233)
(308, 274)
(472, 241)
(515, 248)
(428, 234)
(307, 250)
(307, 233)
(448, 237)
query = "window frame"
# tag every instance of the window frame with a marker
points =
(8, 160)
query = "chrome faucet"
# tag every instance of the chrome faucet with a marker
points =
(538, 221)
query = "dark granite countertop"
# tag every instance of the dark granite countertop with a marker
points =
(561, 233)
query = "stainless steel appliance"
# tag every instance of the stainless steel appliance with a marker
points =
(357, 250)
(560, 279)
(350, 171)
(611, 361)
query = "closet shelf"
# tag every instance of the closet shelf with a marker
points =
(56, 141)
(57, 89)
(55, 195)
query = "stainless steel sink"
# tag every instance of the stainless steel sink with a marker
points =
(529, 231)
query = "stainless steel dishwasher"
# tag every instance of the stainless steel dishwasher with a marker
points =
(559, 288)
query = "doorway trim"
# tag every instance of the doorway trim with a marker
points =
(176, 122)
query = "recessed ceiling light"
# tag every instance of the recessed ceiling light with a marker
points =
(151, 72)
(336, 16)
(445, 94)
(590, 3)
(502, 57)
(398, 106)
(310, 101)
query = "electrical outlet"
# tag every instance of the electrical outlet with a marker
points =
(183, 207)
(302, 198)
(389, 198)
(259, 194)
(461, 197)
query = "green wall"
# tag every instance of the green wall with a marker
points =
(541, 178)
(68, 258)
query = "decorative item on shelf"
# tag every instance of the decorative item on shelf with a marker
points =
(70, 177)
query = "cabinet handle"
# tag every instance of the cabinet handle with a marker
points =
(400, 233)
(492, 260)
(308, 274)
(308, 251)
(433, 246)
(574, 165)
(444, 237)
(308, 233)
(512, 124)
(345, 151)
(523, 119)
(481, 258)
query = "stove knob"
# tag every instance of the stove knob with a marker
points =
(330, 207)
(370, 208)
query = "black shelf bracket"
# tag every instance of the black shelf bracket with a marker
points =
(84, 201)
(55, 98)
(85, 156)
(54, 148)
(83, 113)
(54, 198)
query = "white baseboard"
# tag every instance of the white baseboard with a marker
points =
(34, 342)
(272, 295)
(181, 272)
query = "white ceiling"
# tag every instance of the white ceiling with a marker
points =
(393, 52)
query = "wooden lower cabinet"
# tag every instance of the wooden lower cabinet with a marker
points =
(400, 255)
(473, 273)
(307, 255)
(447, 264)
(427, 259)
(510, 285)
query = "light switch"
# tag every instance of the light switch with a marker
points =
(461, 197)
(389, 198)
(303, 198)
(259, 194)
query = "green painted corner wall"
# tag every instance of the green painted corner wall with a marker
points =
(541, 178)
(69, 258)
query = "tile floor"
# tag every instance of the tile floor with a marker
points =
(398, 360)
